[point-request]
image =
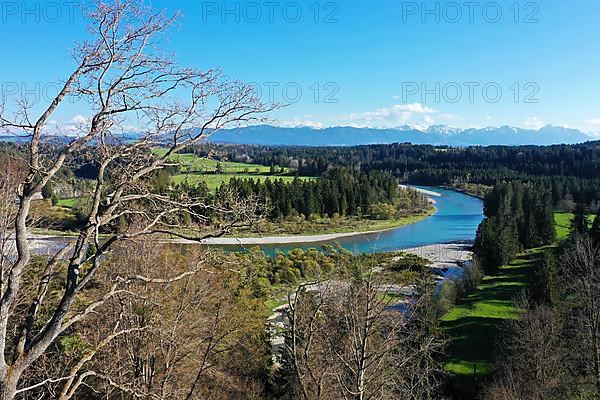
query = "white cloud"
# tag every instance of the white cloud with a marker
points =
(446, 118)
(592, 127)
(414, 114)
(428, 120)
(296, 122)
(595, 122)
(533, 123)
(398, 114)
(79, 120)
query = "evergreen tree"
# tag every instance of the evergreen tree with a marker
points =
(48, 193)
(546, 220)
(546, 280)
(517, 216)
(595, 231)
(580, 222)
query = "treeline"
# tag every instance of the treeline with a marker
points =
(570, 170)
(553, 350)
(340, 191)
(517, 216)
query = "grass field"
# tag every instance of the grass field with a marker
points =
(69, 203)
(191, 163)
(474, 323)
(195, 169)
(563, 222)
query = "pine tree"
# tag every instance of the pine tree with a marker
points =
(545, 287)
(580, 222)
(546, 220)
(595, 231)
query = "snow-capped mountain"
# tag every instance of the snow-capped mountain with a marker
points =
(437, 134)
(351, 136)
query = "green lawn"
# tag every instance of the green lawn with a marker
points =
(195, 169)
(473, 325)
(563, 222)
(69, 203)
(194, 164)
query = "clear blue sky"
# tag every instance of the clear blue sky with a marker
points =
(369, 59)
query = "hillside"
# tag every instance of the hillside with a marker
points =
(438, 135)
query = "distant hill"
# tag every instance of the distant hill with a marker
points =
(13, 139)
(349, 136)
(438, 135)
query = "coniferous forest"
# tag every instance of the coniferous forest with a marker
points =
(339, 191)
(570, 172)
(518, 216)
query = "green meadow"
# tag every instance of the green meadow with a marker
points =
(563, 222)
(213, 181)
(474, 322)
(214, 173)
(69, 203)
(473, 325)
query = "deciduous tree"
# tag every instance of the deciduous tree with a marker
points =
(125, 76)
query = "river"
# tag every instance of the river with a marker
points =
(456, 220)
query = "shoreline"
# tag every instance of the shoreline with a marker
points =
(289, 239)
(422, 191)
(444, 255)
(464, 191)
(39, 239)
(283, 239)
(307, 239)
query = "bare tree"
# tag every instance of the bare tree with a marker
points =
(305, 348)
(176, 336)
(10, 176)
(533, 364)
(125, 77)
(581, 274)
(347, 341)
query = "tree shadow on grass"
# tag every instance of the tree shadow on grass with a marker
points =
(475, 324)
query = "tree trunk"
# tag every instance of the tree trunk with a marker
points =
(8, 387)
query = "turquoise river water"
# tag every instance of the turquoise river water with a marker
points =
(456, 220)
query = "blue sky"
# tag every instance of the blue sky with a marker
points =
(365, 63)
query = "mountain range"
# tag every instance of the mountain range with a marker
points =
(437, 135)
(350, 136)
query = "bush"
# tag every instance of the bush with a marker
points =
(446, 297)
(409, 262)
(382, 211)
(473, 275)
